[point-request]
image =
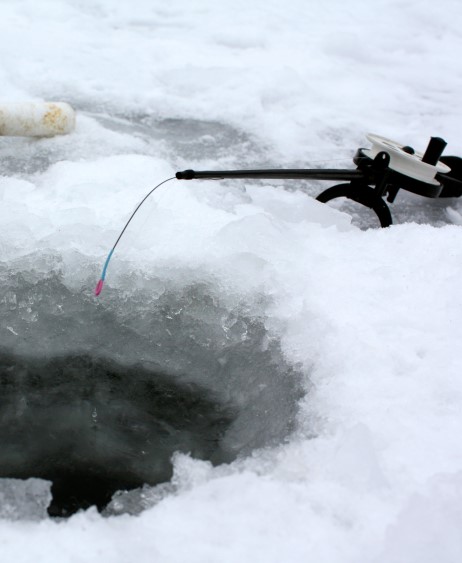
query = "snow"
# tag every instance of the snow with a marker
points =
(371, 319)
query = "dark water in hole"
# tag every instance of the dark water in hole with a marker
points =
(96, 396)
(92, 426)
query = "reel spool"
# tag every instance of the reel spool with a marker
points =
(36, 119)
(410, 163)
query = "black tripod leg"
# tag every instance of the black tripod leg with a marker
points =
(363, 195)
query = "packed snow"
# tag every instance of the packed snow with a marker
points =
(347, 439)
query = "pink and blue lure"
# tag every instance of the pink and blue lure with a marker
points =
(100, 284)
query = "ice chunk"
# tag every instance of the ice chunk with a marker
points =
(134, 502)
(24, 499)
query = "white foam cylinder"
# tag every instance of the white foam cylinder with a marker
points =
(36, 119)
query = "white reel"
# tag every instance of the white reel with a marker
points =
(410, 165)
(36, 119)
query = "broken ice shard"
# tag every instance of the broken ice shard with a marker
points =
(24, 499)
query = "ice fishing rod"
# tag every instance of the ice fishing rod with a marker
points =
(381, 171)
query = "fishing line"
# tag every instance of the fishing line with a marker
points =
(99, 285)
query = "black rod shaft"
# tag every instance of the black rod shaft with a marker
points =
(278, 174)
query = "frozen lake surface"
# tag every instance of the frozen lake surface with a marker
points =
(280, 377)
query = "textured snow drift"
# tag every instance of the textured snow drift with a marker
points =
(342, 346)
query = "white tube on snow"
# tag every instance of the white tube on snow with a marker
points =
(36, 119)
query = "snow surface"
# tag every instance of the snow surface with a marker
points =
(373, 317)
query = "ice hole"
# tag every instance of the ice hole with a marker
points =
(97, 397)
